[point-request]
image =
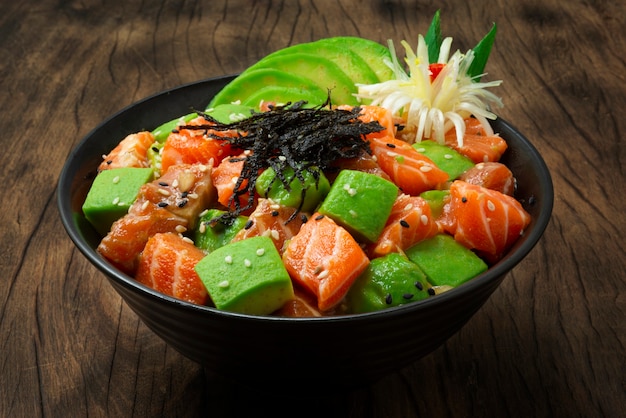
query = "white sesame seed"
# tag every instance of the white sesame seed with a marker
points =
(267, 233)
(234, 180)
(275, 206)
(490, 205)
(391, 154)
(353, 213)
(164, 192)
(346, 187)
(425, 168)
(480, 166)
(247, 262)
(192, 195)
(447, 156)
(175, 183)
(203, 168)
(188, 240)
(323, 274)
(420, 149)
(180, 229)
(275, 235)
(424, 219)
(145, 204)
(260, 251)
(116, 179)
(121, 204)
(116, 200)
(223, 284)
(282, 158)
(228, 259)
(202, 227)
(375, 158)
(204, 212)
(352, 192)
(409, 206)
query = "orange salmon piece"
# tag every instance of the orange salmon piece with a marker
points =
(185, 190)
(270, 219)
(132, 151)
(303, 305)
(225, 177)
(167, 265)
(410, 170)
(483, 220)
(190, 146)
(492, 175)
(129, 234)
(477, 145)
(325, 259)
(410, 222)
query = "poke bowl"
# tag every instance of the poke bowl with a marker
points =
(333, 352)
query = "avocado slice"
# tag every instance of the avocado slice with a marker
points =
(250, 81)
(444, 157)
(282, 95)
(373, 53)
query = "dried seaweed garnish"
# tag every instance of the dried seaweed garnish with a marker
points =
(291, 136)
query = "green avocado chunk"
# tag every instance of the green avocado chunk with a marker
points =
(230, 112)
(163, 131)
(445, 158)
(373, 53)
(360, 202)
(436, 199)
(323, 72)
(445, 261)
(315, 188)
(281, 95)
(246, 276)
(391, 280)
(250, 81)
(209, 236)
(111, 195)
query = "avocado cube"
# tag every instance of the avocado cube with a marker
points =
(391, 280)
(360, 202)
(445, 261)
(444, 157)
(210, 235)
(305, 196)
(436, 199)
(246, 276)
(111, 195)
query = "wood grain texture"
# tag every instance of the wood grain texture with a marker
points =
(550, 342)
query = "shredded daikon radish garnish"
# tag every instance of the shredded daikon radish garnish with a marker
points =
(433, 108)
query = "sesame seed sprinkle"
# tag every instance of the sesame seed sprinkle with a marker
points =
(163, 192)
(407, 296)
(162, 204)
(447, 156)
(391, 145)
(425, 168)
(116, 179)
(202, 227)
(248, 224)
(260, 251)
(116, 201)
(491, 206)
(223, 284)
(188, 240)
(353, 213)
(247, 262)
(431, 291)
(180, 229)
(228, 259)
(419, 285)
(388, 299)
(275, 235)
(424, 219)
(164, 184)
(322, 274)
(145, 205)
(404, 223)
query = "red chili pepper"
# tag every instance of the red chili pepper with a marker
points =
(435, 69)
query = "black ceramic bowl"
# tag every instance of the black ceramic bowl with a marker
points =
(332, 352)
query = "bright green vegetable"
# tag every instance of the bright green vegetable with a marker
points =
(445, 158)
(305, 196)
(209, 236)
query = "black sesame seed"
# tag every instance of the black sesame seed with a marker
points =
(464, 199)
(391, 145)
(110, 162)
(162, 204)
(431, 291)
(407, 296)
(388, 299)
(275, 213)
(319, 217)
(155, 149)
(182, 203)
(184, 195)
(248, 224)
(164, 184)
(419, 285)
(175, 131)
(404, 223)
(303, 218)
(532, 200)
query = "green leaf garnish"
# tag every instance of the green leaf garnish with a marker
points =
(433, 38)
(481, 54)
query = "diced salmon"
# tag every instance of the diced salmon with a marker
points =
(492, 175)
(365, 162)
(477, 145)
(167, 265)
(410, 170)
(325, 259)
(272, 220)
(132, 151)
(410, 222)
(303, 305)
(483, 220)
(184, 189)
(225, 177)
(129, 234)
(191, 146)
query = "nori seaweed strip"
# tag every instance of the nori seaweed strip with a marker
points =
(290, 136)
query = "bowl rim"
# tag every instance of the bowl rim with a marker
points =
(495, 272)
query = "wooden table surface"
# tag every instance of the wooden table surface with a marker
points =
(550, 341)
